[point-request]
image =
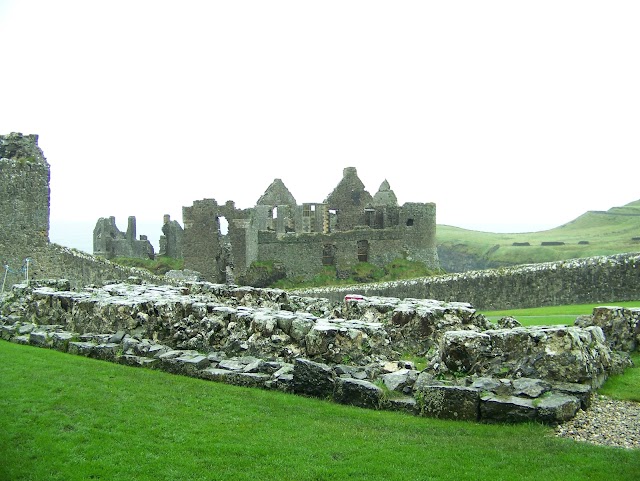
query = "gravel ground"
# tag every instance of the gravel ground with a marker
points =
(607, 423)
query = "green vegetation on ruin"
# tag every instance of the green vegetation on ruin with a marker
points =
(591, 234)
(159, 266)
(69, 418)
(26, 160)
(361, 273)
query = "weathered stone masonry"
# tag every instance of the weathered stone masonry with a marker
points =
(109, 242)
(24, 196)
(350, 226)
(341, 351)
(24, 222)
(603, 279)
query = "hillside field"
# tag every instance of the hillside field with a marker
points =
(594, 233)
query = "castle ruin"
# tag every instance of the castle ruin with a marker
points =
(110, 242)
(25, 250)
(350, 226)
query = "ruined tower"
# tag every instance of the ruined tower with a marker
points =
(202, 246)
(24, 190)
(24, 203)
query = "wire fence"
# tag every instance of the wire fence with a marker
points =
(22, 271)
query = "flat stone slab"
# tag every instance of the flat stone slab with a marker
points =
(137, 361)
(81, 348)
(23, 339)
(507, 409)
(552, 408)
(39, 339)
(403, 404)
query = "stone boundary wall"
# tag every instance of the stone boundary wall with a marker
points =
(49, 261)
(589, 280)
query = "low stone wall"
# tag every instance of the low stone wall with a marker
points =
(51, 261)
(602, 279)
(354, 352)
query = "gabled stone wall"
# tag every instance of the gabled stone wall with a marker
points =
(350, 226)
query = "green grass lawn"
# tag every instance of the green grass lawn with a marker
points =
(544, 316)
(625, 386)
(65, 417)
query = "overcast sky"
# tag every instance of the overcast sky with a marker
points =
(509, 115)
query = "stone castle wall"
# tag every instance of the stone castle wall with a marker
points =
(303, 254)
(590, 280)
(24, 230)
(109, 242)
(350, 226)
(24, 192)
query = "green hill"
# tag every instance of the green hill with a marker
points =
(592, 234)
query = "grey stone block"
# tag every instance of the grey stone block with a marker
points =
(357, 392)
(507, 409)
(449, 402)
(313, 379)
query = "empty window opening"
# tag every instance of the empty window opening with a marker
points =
(363, 251)
(370, 217)
(224, 225)
(274, 213)
(409, 222)
(328, 255)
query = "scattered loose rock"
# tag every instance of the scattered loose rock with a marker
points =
(608, 422)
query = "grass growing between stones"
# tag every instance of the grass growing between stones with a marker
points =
(65, 417)
(159, 266)
(625, 387)
(545, 316)
(361, 273)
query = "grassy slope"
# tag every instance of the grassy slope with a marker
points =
(607, 233)
(64, 417)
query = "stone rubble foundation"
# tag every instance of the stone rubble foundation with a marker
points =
(362, 352)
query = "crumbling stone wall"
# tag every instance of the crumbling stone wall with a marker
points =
(350, 226)
(171, 240)
(110, 242)
(578, 281)
(24, 223)
(205, 248)
(341, 351)
(24, 196)
(24, 205)
(202, 247)
(304, 255)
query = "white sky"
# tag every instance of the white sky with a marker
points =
(509, 115)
